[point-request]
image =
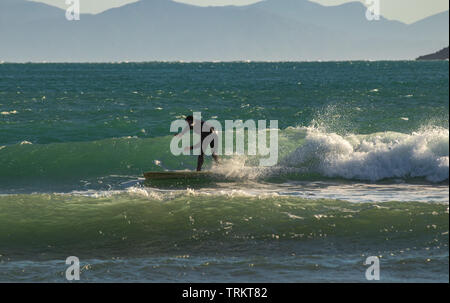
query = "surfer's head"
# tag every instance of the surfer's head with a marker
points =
(190, 120)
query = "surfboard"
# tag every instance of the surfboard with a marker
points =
(176, 175)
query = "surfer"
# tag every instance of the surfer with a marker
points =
(206, 131)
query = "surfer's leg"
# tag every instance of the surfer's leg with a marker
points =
(200, 162)
(201, 158)
(214, 155)
(216, 158)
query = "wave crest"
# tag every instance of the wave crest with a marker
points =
(374, 157)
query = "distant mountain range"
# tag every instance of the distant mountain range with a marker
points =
(164, 30)
(443, 54)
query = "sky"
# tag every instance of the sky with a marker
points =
(407, 11)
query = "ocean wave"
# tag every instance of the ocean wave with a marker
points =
(305, 153)
(421, 154)
(141, 222)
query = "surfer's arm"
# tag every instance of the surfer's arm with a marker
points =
(194, 146)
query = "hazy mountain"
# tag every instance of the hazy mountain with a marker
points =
(165, 30)
(434, 27)
(348, 17)
(19, 12)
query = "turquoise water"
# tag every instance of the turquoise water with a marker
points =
(363, 171)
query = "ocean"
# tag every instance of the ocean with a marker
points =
(363, 171)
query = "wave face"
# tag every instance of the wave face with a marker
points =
(143, 222)
(304, 153)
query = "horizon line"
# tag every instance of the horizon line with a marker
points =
(213, 62)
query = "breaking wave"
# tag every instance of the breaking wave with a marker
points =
(422, 154)
(303, 153)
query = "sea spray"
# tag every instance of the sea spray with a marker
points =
(376, 156)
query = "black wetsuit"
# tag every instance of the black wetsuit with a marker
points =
(204, 135)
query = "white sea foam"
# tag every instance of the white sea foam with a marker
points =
(351, 192)
(12, 112)
(374, 157)
(386, 155)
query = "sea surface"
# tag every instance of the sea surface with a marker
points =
(363, 171)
